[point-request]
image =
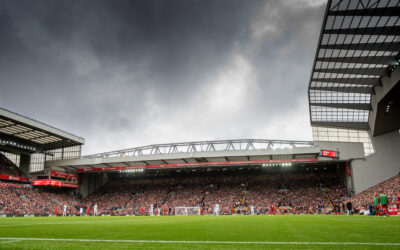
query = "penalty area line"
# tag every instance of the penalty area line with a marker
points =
(208, 242)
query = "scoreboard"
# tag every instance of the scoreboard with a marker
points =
(329, 153)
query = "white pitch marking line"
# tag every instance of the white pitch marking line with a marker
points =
(9, 241)
(211, 242)
(57, 223)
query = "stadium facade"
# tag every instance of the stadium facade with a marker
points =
(354, 100)
(354, 90)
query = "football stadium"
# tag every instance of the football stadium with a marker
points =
(339, 191)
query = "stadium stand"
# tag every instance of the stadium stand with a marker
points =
(9, 168)
(312, 192)
(391, 187)
(234, 191)
(20, 199)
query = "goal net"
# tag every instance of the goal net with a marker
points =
(187, 211)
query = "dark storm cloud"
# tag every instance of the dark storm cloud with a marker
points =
(282, 59)
(126, 73)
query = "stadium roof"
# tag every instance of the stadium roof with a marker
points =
(203, 146)
(211, 154)
(30, 135)
(193, 153)
(359, 43)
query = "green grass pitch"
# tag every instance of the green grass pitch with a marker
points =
(202, 232)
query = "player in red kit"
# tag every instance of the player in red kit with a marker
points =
(88, 210)
(142, 211)
(398, 201)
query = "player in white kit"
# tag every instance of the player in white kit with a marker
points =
(151, 210)
(216, 209)
(81, 211)
(252, 209)
(95, 210)
(65, 210)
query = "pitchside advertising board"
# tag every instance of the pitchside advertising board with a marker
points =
(33, 215)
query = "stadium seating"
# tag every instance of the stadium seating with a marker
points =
(390, 186)
(302, 192)
(298, 193)
(23, 199)
(9, 168)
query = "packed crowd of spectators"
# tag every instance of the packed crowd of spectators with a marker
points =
(391, 187)
(313, 193)
(24, 199)
(234, 193)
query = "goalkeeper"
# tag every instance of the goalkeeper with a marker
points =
(384, 203)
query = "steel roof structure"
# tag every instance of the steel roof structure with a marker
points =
(202, 154)
(359, 43)
(203, 146)
(29, 135)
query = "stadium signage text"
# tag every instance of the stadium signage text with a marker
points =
(54, 183)
(63, 175)
(220, 163)
(15, 178)
(329, 153)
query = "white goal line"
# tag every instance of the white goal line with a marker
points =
(209, 242)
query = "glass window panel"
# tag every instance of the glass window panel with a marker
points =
(344, 135)
(37, 162)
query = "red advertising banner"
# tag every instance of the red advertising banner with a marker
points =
(63, 175)
(328, 153)
(348, 171)
(15, 178)
(220, 163)
(54, 183)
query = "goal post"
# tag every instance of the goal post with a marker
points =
(187, 210)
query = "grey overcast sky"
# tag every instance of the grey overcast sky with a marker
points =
(131, 73)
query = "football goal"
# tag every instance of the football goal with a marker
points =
(187, 211)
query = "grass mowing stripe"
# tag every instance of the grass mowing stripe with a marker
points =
(208, 242)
